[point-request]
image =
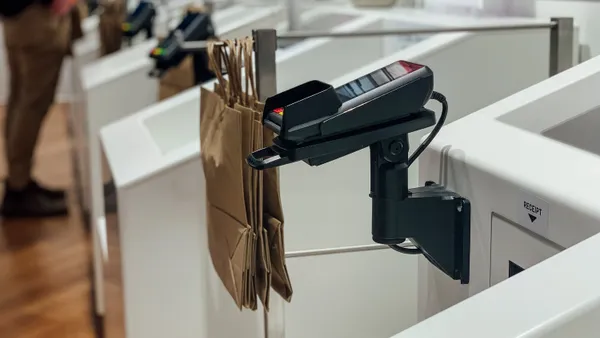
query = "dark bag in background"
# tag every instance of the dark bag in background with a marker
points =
(112, 16)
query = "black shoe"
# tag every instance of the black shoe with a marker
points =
(51, 193)
(32, 201)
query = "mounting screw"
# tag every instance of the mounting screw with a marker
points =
(396, 148)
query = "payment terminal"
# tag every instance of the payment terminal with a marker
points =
(317, 123)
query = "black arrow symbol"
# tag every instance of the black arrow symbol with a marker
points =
(532, 218)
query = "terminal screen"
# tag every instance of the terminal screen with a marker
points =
(376, 79)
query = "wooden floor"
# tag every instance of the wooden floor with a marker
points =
(44, 264)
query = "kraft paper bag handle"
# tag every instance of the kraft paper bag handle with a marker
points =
(215, 62)
(226, 86)
(234, 70)
(231, 68)
(249, 72)
(242, 58)
(250, 87)
(240, 61)
(226, 63)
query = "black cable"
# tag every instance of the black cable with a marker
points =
(441, 99)
(406, 251)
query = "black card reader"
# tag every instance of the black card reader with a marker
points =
(325, 111)
(141, 19)
(317, 123)
(195, 26)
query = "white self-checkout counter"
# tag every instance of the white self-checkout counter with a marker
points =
(529, 166)
(557, 298)
(154, 159)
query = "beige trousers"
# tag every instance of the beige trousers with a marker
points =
(36, 41)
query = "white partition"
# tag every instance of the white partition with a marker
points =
(155, 161)
(529, 166)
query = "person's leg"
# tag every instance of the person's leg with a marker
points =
(34, 78)
(13, 98)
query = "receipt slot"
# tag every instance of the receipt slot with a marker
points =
(316, 123)
(195, 26)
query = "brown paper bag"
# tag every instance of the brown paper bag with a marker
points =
(230, 235)
(233, 63)
(229, 232)
(247, 105)
(111, 25)
(272, 218)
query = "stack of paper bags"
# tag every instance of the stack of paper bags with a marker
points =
(244, 212)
